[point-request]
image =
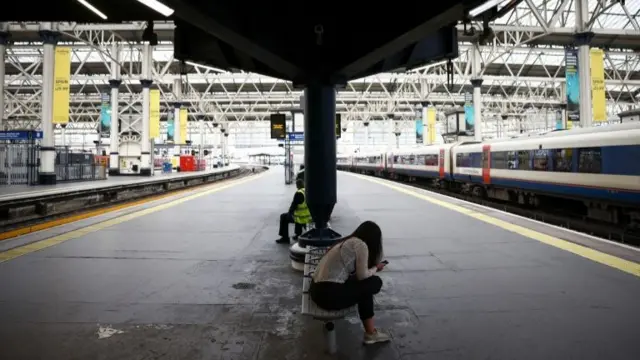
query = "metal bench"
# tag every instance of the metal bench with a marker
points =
(309, 308)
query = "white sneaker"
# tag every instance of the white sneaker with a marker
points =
(376, 337)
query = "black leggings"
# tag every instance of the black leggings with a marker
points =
(337, 296)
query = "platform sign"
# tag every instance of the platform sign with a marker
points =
(20, 135)
(338, 126)
(278, 126)
(296, 136)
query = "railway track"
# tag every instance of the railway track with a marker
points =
(559, 217)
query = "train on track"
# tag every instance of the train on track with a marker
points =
(593, 172)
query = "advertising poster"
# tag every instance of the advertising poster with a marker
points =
(170, 126)
(105, 115)
(419, 131)
(598, 99)
(469, 119)
(572, 85)
(61, 86)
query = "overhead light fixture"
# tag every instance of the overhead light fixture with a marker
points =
(205, 66)
(157, 6)
(484, 7)
(93, 8)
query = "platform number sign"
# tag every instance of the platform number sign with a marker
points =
(278, 126)
(338, 126)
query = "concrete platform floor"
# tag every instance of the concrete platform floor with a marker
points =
(203, 279)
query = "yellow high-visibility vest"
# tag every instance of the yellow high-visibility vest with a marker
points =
(301, 214)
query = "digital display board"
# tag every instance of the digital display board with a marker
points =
(338, 126)
(278, 126)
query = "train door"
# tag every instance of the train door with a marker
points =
(486, 164)
(441, 164)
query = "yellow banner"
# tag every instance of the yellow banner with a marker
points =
(598, 96)
(184, 114)
(62, 77)
(154, 113)
(431, 124)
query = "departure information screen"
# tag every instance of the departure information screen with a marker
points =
(278, 128)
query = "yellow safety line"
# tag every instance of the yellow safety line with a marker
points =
(43, 244)
(627, 266)
(101, 211)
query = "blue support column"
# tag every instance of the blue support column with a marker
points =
(320, 162)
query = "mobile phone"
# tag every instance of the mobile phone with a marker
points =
(386, 262)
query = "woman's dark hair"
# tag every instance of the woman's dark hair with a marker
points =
(370, 233)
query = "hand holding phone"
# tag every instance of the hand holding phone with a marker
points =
(382, 265)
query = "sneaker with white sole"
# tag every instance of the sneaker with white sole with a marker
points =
(376, 337)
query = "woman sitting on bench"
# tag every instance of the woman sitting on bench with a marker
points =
(345, 277)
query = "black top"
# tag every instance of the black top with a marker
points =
(300, 175)
(298, 199)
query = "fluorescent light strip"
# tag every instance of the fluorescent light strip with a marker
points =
(157, 6)
(484, 7)
(93, 8)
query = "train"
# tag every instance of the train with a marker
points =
(593, 172)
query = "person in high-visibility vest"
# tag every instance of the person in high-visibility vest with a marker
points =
(298, 214)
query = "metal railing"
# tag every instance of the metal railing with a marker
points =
(80, 172)
(19, 164)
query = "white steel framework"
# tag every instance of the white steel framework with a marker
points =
(522, 67)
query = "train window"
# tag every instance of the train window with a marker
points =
(476, 160)
(431, 160)
(590, 160)
(540, 160)
(395, 159)
(412, 159)
(499, 160)
(463, 160)
(562, 160)
(523, 160)
(512, 160)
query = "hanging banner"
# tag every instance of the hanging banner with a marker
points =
(572, 85)
(431, 125)
(559, 122)
(469, 119)
(171, 125)
(419, 131)
(61, 81)
(598, 101)
(105, 115)
(184, 114)
(154, 113)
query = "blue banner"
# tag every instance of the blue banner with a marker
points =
(20, 135)
(419, 131)
(296, 136)
(571, 68)
(105, 116)
(170, 126)
(469, 119)
(559, 122)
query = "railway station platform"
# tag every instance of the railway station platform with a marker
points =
(14, 192)
(199, 276)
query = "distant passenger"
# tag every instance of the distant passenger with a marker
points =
(298, 214)
(346, 276)
(300, 175)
